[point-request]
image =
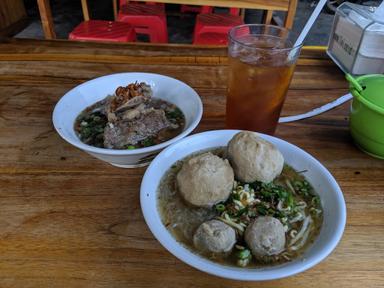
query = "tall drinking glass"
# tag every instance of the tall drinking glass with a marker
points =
(261, 64)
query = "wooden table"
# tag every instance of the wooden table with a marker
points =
(69, 220)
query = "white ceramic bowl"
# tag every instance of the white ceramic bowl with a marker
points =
(329, 191)
(88, 93)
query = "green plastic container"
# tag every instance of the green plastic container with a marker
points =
(367, 113)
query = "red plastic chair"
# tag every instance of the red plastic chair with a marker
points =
(99, 30)
(212, 29)
(196, 9)
(146, 18)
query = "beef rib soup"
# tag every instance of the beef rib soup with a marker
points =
(129, 119)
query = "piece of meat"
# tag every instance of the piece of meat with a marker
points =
(127, 98)
(132, 103)
(123, 133)
(133, 113)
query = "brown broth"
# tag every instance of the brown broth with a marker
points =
(182, 219)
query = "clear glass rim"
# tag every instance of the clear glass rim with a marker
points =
(232, 37)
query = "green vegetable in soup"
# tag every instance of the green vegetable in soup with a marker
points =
(90, 128)
(174, 114)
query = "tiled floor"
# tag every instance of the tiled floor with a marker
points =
(67, 14)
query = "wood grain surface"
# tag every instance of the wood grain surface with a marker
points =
(70, 220)
(279, 5)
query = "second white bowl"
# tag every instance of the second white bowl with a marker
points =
(90, 92)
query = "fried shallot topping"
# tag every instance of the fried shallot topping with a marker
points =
(123, 94)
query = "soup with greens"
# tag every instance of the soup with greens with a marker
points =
(129, 119)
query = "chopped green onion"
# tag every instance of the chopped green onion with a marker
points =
(298, 184)
(261, 209)
(242, 211)
(315, 201)
(243, 254)
(271, 211)
(220, 207)
(175, 114)
(131, 147)
(290, 200)
(148, 142)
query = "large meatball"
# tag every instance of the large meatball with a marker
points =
(253, 158)
(265, 236)
(205, 180)
(214, 236)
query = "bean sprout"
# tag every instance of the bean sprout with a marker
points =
(290, 186)
(238, 203)
(280, 207)
(306, 223)
(302, 241)
(293, 233)
(301, 204)
(285, 256)
(232, 224)
(298, 217)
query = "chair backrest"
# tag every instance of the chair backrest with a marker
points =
(125, 2)
(85, 8)
(234, 11)
(209, 9)
(289, 6)
(206, 9)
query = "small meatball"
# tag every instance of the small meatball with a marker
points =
(265, 236)
(205, 180)
(214, 236)
(253, 158)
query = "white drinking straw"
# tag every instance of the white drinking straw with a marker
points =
(318, 110)
(300, 40)
(310, 22)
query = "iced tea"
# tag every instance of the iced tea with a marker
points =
(260, 71)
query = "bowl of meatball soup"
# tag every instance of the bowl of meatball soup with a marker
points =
(242, 205)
